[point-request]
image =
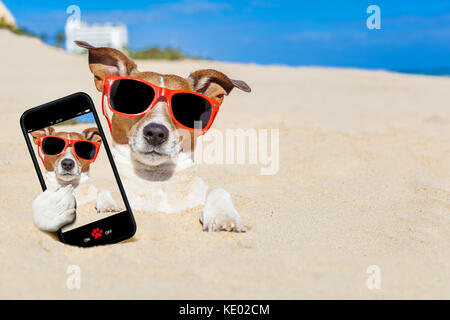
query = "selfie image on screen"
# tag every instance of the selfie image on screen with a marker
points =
(70, 152)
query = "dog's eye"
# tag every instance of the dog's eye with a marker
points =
(220, 96)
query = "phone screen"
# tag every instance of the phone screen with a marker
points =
(69, 151)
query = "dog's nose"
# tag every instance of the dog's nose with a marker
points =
(155, 134)
(67, 164)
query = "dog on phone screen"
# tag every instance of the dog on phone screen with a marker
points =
(156, 168)
(68, 183)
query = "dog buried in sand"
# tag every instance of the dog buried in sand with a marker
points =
(154, 121)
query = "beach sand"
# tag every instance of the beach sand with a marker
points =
(364, 179)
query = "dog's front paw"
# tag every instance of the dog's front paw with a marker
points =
(54, 208)
(219, 213)
(105, 202)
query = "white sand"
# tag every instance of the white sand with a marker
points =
(364, 180)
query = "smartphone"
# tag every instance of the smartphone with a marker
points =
(68, 146)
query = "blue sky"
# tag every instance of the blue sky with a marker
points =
(88, 117)
(415, 34)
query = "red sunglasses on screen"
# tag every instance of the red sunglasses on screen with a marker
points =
(131, 97)
(54, 146)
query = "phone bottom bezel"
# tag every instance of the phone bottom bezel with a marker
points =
(119, 224)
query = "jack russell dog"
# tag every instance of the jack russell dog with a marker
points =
(68, 183)
(157, 171)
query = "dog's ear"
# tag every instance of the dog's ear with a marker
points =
(105, 62)
(42, 132)
(92, 134)
(215, 84)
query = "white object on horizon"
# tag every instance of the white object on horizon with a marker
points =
(98, 35)
(6, 15)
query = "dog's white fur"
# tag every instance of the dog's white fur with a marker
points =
(54, 208)
(182, 191)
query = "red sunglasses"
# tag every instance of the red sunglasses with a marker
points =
(54, 146)
(131, 97)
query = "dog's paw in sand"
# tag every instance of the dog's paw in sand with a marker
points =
(219, 213)
(105, 202)
(54, 208)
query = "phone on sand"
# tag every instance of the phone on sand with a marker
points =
(68, 146)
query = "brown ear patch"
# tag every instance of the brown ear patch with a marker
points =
(215, 84)
(105, 62)
(42, 132)
(201, 79)
(241, 85)
(84, 44)
(92, 134)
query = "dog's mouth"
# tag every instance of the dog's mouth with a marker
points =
(153, 153)
(150, 157)
(67, 176)
(149, 151)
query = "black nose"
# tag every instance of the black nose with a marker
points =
(155, 134)
(67, 164)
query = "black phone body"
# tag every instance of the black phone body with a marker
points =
(74, 114)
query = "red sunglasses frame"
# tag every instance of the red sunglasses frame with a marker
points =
(68, 142)
(159, 92)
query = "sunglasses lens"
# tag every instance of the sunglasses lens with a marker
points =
(190, 108)
(85, 150)
(130, 96)
(52, 145)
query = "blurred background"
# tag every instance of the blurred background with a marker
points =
(414, 35)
